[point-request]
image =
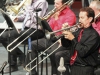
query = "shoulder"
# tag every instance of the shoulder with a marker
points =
(94, 32)
(42, 1)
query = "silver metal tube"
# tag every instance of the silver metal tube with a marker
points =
(73, 28)
(19, 42)
(4, 29)
(26, 67)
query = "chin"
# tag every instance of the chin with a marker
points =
(82, 25)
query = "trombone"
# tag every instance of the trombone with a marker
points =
(26, 67)
(44, 18)
(3, 23)
(96, 17)
(53, 11)
(8, 47)
(16, 9)
(69, 28)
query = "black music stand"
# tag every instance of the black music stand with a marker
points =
(10, 25)
(46, 26)
(2, 4)
(9, 21)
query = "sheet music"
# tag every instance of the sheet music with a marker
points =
(17, 24)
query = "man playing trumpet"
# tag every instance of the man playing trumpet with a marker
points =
(65, 15)
(84, 44)
(95, 5)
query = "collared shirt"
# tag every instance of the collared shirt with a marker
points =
(29, 16)
(66, 16)
(96, 25)
(87, 48)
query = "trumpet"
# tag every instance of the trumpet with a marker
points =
(73, 28)
(11, 49)
(76, 28)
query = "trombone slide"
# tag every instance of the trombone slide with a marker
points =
(10, 50)
(26, 67)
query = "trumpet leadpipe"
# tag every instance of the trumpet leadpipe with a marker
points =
(73, 28)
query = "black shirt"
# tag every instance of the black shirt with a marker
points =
(87, 48)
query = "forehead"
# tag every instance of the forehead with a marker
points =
(83, 13)
(58, 1)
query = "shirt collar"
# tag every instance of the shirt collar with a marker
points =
(64, 10)
(86, 29)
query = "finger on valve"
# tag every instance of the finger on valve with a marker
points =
(65, 25)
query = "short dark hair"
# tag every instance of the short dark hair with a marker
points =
(64, 1)
(90, 12)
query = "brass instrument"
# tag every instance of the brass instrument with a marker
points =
(45, 18)
(96, 17)
(11, 49)
(17, 8)
(69, 28)
(26, 67)
(73, 28)
(8, 47)
(3, 23)
(53, 11)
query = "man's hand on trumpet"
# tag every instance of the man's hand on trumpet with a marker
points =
(65, 25)
(67, 34)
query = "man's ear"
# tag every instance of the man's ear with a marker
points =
(90, 19)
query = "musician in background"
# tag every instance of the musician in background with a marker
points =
(29, 21)
(95, 5)
(64, 15)
(84, 45)
(85, 3)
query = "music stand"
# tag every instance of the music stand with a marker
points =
(46, 26)
(9, 21)
(10, 24)
(2, 4)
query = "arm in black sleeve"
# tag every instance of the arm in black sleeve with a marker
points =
(88, 44)
(65, 42)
